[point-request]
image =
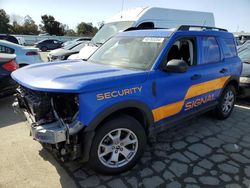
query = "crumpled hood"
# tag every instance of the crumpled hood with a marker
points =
(75, 76)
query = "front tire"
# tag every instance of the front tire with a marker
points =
(44, 49)
(117, 145)
(226, 103)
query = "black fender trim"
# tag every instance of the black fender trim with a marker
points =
(235, 79)
(119, 106)
(89, 132)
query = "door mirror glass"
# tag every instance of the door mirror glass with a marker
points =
(176, 66)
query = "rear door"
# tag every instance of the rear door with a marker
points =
(214, 70)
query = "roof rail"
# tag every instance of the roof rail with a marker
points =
(137, 28)
(187, 28)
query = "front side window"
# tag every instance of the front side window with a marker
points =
(183, 49)
(6, 50)
(129, 52)
(210, 50)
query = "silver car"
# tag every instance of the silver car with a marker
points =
(24, 55)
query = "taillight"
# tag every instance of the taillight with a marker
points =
(31, 53)
(10, 66)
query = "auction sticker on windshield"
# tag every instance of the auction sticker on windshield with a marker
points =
(153, 39)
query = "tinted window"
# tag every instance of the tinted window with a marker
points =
(6, 50)
(48, 41)
(229, 48)
(210, 50)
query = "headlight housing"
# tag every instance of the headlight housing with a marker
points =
(245, 80)
(61, 57)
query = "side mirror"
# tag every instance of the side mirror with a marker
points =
(176, 65)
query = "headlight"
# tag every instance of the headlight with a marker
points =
(245, 80)
(61, 58)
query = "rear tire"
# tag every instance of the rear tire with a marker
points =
(226, 103)
(117, 145)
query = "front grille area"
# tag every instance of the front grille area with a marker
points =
(36, 103)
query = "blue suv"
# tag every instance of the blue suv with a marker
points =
(138, 83)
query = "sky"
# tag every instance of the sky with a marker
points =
(233, 15)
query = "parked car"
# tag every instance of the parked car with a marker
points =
(9, 38)
(82, 39)
(7, 65)
(138, 83)
(64, 52)
(244, 54)
(48, 44)
(21, 41)
(44, 34)
(241, 39)
(24, 55)
(144, 18)
(243, 46)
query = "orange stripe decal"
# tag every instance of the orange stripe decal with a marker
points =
(195, 90)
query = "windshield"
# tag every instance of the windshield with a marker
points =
(110, 29)
(70, 46)
(79, 46)
(245, 55)
(129, 52)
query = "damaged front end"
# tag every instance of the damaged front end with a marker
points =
(53, 119)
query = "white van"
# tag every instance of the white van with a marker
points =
(149, 17)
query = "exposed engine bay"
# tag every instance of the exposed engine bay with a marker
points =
(53, 120)
(44, 105)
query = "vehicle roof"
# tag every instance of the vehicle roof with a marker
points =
(10, 44)
(15, 46)
(45, 40)
(151, 13)
(169, 32)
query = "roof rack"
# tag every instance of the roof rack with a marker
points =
(187, 28)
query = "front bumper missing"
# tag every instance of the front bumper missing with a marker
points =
(51, 133)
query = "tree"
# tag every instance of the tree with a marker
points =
(16, 28)
(29, 26)
(70, 32)
(86, 29)
(51, 26)
(4, 22)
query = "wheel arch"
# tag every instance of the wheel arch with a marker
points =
(234, 81)
(137, 107)
(140, 111)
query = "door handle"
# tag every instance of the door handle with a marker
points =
(223, 70)
(196, 77)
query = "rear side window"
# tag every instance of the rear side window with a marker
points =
(210, 50)
(6, 50)
(229, 48)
